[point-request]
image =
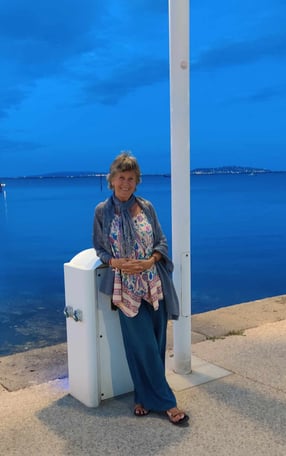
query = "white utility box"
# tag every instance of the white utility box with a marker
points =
(97, 363)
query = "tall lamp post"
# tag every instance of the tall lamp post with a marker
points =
(180, 176)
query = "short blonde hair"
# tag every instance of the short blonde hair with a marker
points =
(123, 162)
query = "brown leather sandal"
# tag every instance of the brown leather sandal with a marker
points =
(140, 411)
(173, 413)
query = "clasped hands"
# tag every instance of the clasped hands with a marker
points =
(132, 266)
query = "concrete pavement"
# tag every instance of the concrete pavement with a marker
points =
(235, 396)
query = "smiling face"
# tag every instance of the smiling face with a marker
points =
(124, 184)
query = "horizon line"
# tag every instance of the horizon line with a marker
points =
(234, 169)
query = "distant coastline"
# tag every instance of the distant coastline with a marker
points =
(197, 171)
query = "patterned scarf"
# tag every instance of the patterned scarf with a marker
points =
(122, 208)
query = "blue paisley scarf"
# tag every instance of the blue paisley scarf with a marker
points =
(122, 208)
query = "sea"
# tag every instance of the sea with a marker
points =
(238, 244)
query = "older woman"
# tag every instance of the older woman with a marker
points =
(128, 237)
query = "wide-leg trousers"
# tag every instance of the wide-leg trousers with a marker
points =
(144, 338)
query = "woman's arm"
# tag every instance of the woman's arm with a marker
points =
(100, 243)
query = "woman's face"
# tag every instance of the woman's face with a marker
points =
(124, 184)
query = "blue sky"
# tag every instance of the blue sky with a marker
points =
(82, 80)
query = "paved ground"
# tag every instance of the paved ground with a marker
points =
(240, 412)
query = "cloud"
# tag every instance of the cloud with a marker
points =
(263, 95)
(126, 78)
(158, 6)
(240, 53)
(80, 41)
(44, 34)
(37, 38)
(9, 145)
(10, 97)
(53, 21)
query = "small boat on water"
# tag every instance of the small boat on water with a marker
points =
(2, 186)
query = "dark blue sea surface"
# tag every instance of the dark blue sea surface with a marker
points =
(238, 237)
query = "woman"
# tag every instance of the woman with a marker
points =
(128, 237)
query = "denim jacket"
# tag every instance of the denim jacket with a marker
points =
(103, 216)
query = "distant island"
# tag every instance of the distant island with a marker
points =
(231, 170)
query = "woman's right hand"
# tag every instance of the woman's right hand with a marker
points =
(117, 263)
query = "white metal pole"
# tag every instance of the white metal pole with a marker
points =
(180, 176)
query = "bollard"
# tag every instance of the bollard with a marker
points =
(97, 363)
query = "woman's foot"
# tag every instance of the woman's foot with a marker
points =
(139, 410)
(177, 417)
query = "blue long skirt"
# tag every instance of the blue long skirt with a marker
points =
(144, 338)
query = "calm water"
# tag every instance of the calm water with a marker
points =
(238, 245)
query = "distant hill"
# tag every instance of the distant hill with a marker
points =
(231, 170)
